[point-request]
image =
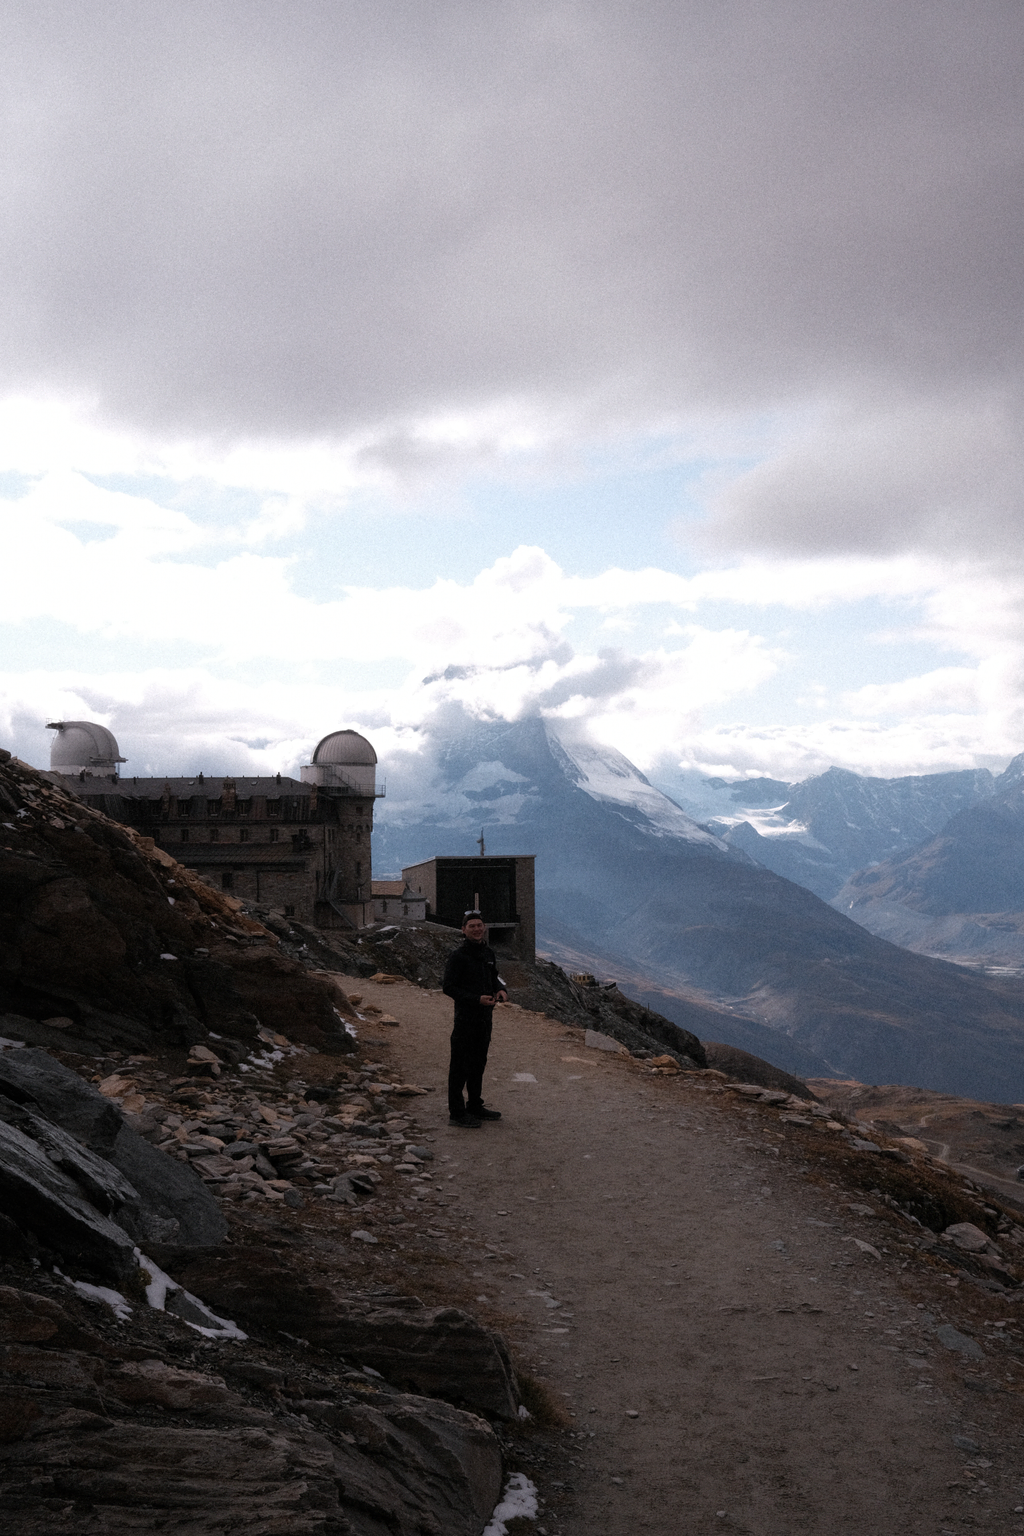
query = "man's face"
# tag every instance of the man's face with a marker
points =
(475, 930)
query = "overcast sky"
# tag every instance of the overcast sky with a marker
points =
(653, 366)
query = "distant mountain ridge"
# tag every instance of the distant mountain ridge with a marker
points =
(959, 893)
(822, 830)
(625, 874)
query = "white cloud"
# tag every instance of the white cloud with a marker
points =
(884, 475)
(114, 566)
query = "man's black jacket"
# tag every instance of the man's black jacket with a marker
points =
(471, 973)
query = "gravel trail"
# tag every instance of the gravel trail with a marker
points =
(733, 1361)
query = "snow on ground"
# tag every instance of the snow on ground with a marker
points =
(518, 1502)
(161, 1286)
(101, 1293)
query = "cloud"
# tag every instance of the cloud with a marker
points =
(885, 476)
(253, 670)
(333, 245)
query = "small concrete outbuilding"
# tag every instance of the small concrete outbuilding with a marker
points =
(501, 888)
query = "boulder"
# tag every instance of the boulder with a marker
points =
(99, 1181)
(968, 1237)
(174, 1205)
(435, 1351)
(62, 1096)
(746, 1068)
(154, 1198)
(39, 1198)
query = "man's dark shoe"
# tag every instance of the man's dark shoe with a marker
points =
(466, 1122)
(486, 1114)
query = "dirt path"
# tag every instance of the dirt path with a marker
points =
(733, 1360)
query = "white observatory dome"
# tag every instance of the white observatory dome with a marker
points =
(343, 760)
(82, 746)
(345, 747)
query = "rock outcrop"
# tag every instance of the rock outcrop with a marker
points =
(110, 1436)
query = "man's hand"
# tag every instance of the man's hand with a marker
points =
(487, 1001)
(502, 997)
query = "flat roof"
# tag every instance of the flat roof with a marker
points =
(188, 788)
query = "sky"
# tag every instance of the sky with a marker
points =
(656, 369)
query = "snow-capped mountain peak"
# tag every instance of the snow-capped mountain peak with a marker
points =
(607, 776)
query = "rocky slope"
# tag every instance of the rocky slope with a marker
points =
(985, 1141)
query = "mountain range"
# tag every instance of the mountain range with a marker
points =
(824, 829)
(960, 893)
(630, 881)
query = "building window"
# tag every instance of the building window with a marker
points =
(184, 834)
(275, 833)
(274, 807)
(405, 909)
(243, 834)
(215, 834)
(184, 807)
(213, 807)
(359, 871)
(227, 881)
(383, 906)
(289, 911)
(243, 807)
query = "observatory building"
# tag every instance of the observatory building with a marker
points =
(83, 749)
(300, 846)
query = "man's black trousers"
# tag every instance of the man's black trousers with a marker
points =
(471, 1038)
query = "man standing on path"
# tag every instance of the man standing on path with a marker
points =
(471, 979)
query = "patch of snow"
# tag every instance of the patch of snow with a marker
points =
(523, 1077)
(11, 1045)
(161, 1286)
(265, 1059)
(168, 957)
(518, 1502)
(347, 1023)
(102, 1293)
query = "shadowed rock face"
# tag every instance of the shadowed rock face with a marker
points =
(77, 1439)
(73, 1174)
(440, 1351)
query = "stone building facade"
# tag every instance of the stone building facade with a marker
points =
(300, 846)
